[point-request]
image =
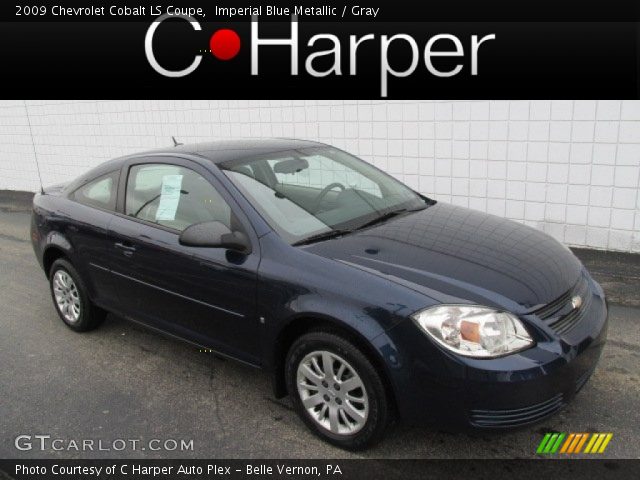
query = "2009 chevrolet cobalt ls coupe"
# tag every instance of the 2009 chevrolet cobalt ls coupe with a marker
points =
(365, 299)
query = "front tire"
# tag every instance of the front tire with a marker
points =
(337, 391)
(71, 299)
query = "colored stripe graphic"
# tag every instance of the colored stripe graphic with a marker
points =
(576, 441)
(567, 443)
(594, 437)
(550, 443)
(573, 443)
(605, 442)
(543, 443)
(598, 442)
(555, 447)
(582, 441)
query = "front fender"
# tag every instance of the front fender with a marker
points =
(361, 326)
(298, 290)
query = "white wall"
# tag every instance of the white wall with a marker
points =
(570, 168)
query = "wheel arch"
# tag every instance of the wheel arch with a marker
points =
(55, 245)
(50, 255)
(306, 323)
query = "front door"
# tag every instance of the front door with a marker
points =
(206, 295)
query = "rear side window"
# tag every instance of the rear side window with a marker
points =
(173, 196)
(100, 192)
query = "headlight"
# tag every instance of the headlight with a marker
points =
(474, 331)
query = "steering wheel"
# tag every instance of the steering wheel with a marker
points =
(324, 192)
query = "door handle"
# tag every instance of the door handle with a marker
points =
(127, 250)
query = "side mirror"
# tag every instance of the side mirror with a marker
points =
(214, 235)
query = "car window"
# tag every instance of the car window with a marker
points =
(100, 192)
(278, 209)
(321, 171)
(308, 191)
(173, 196)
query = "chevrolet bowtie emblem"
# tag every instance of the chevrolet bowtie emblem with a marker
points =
(576, 301)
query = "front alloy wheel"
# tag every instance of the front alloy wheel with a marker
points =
(332, 392)
(336, 390)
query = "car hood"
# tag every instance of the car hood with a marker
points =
(455, 254)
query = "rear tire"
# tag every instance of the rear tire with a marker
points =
(337, 391)
(70, 298)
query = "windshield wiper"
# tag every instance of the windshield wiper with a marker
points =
(344, 231)
(387, 216)
(322, 236)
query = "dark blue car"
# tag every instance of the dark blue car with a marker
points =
(366, 300)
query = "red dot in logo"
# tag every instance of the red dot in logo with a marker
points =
(224, 44)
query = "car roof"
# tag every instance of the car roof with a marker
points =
(217, 152)
(228, 150)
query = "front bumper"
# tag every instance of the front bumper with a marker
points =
(434, 386)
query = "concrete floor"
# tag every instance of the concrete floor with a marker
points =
(123, 382)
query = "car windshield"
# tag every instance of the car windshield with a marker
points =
(315, 192)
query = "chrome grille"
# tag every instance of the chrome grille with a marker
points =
(560, 314)
(553, 307)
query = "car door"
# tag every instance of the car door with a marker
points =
(206, 295)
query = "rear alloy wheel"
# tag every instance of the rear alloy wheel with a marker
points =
(67, 297)
(336, 390)
(71, 299)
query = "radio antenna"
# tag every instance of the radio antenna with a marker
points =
(33, 145)
(175, 142)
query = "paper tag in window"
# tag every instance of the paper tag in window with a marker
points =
(169, 197)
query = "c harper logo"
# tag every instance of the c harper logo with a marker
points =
(442, 55)
(573, 443)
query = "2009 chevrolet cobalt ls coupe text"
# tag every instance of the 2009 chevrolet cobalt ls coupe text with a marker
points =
(366, 300)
